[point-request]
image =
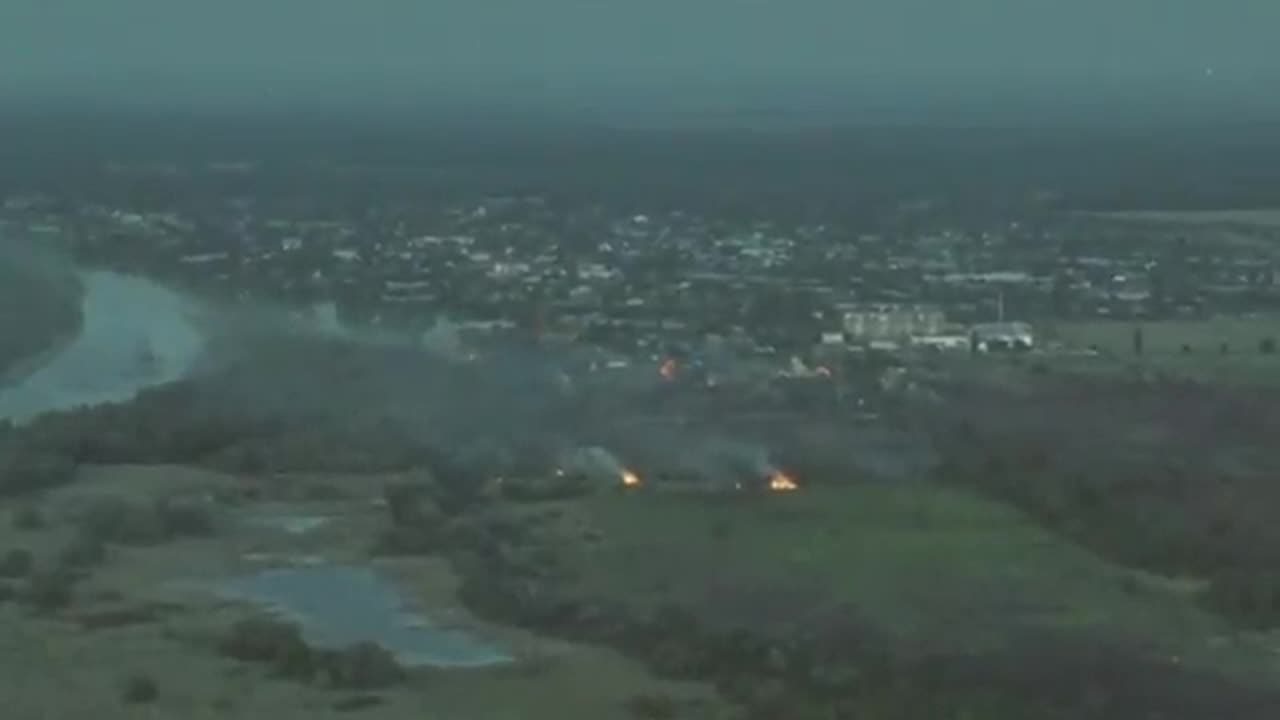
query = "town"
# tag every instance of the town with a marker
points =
(653, 286)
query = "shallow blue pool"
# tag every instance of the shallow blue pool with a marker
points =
(338, 606)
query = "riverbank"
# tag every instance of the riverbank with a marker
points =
(132, 334)
(23, 368)
(40, 311)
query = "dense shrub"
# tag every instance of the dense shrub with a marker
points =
(417, 522)
(364, 666)
(132, 523)
(266, 640)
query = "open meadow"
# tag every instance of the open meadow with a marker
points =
(935, 570)
(1264, 218)
(1235, 350)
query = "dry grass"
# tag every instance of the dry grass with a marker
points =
(63, 667)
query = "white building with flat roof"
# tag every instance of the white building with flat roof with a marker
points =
(1003, 336)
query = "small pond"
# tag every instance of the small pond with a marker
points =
(338, 606)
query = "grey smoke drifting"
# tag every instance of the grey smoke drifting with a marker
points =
(593, 462)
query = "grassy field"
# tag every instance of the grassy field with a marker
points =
(51, 666)
(937, 570)
(1266, 218)
(1219, 349)
(1242, 335)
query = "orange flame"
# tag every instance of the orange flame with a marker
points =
(779, 482)
(668, 369)
(630, 479)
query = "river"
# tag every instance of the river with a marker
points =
(135, 334)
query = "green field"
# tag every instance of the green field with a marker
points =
(1264, 218)
(1226, 349)
(937, 570)
(1167, 337)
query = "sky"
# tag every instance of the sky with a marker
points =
(713, 52)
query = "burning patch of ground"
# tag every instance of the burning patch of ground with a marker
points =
(933, 570)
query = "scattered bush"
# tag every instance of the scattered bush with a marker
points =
(1267, 346)
(139, 690)
(16, 563)
(7, 592)
(267, 640)
(364, 666)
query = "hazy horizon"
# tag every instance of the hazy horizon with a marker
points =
(827, 58)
